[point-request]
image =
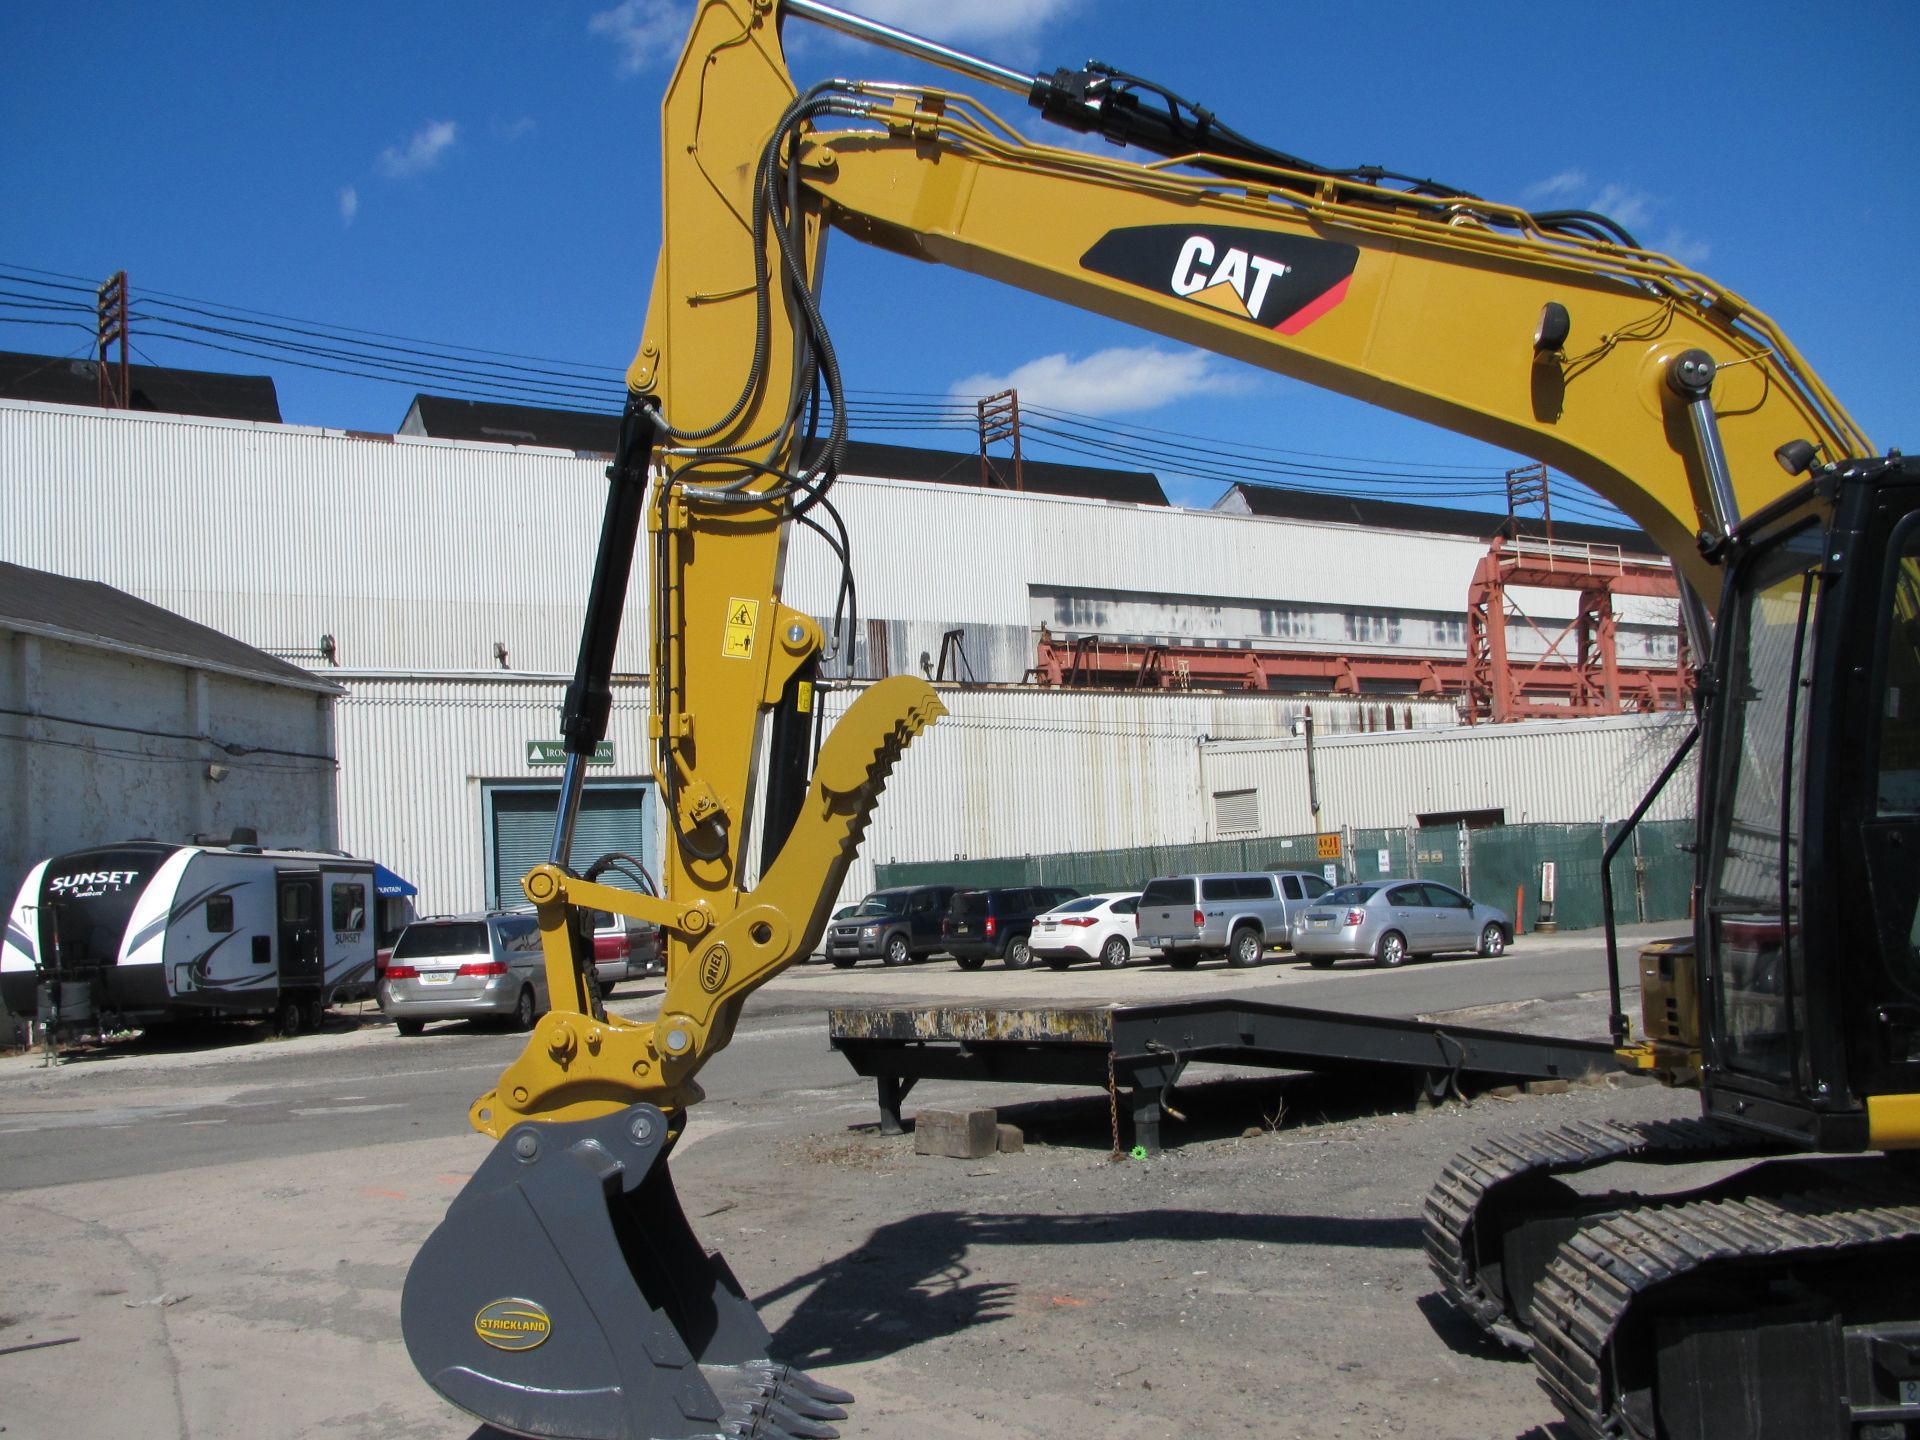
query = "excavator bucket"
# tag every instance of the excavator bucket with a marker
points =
(564, 1295)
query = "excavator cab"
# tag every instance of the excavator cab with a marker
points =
(1810, 802)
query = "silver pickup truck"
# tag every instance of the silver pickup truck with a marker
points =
(1188, 917)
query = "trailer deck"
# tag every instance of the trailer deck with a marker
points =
(1143, 1049)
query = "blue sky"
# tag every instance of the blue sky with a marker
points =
(483, 175)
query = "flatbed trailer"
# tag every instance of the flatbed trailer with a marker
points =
(1143, 1049)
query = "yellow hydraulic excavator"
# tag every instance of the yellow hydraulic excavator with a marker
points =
(565, 1293)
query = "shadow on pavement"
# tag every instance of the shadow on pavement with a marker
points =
(910, 1281)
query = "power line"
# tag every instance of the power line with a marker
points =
(52, 300)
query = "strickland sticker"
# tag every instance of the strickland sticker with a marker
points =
(1279, 282)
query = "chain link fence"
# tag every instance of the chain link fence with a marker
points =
(1500, 865)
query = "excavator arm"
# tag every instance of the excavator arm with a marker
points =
(1663, 392)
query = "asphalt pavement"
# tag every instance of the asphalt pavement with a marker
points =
(218, 1221)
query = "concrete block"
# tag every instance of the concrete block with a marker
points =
(1547, 1087)
(957, 1134)
(1008, 1140)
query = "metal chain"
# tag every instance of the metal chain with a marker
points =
(1113, 1111)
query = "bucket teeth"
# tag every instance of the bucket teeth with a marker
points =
(768, 1401)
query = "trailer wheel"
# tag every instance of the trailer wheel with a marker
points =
(316, 1013)
(286, 1016)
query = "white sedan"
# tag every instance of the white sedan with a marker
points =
(1093, 927)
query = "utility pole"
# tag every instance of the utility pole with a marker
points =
(1527, 485)
(1313, 780)
(115, 393)
(999, 417)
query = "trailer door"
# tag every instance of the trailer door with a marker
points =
(299, 898)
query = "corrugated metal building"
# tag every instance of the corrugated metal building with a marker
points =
(447, 579)
(1540, 772)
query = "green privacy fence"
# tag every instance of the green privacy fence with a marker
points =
(1501, 865)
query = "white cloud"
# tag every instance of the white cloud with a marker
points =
(646, 31)
(512, 130)
(421, 153)
(1688, 249)
(966, 21)
(1110, 382)
(1632, 208)
(349, 205)
(1557, 187)
(1629, 207)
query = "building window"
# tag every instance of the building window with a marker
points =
(349, 907)
(1235, 811)
(1368, 629)
(220, 914)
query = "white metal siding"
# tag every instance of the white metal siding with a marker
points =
(416, 554)
(1006, 772)
(422, 554)
(1560, 771)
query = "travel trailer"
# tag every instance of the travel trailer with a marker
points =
(146, 931)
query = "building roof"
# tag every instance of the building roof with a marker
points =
(86, 612)
(1039, 477)
(1277, 503)
(55, 380)
(444, 419)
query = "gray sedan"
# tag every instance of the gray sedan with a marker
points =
(1389, 920)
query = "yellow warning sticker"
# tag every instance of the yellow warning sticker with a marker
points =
(743, 619)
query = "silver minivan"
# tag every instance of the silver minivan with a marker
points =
(1187, 917)
(466, 967)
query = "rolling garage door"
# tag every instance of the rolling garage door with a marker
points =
(520, 833)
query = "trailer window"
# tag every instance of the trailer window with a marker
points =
(220, 914)
(349, 907)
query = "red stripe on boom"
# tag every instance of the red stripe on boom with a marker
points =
(1311, 312)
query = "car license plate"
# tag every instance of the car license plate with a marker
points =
(1317, 924)
(436, 977)
(1158, 941)
(963, 929)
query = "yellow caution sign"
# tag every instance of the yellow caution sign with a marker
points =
(1329, 845)
(743, 620)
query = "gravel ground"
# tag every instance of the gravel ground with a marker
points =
(1253, 1278)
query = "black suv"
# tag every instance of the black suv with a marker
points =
(984, 923)
(896, 925)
